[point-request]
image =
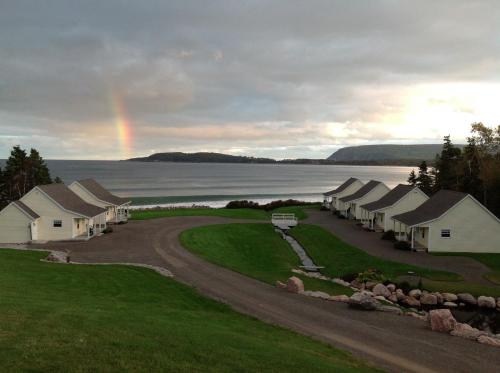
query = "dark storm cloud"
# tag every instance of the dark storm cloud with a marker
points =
(232, 76)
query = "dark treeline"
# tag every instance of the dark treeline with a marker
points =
(474, 170)
(21, 173)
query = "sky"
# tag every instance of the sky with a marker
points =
(275, 78)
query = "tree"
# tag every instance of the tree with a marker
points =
(3, 196)
(58, 180)
(412, 179)
(22, 173)
(424, 180)
(447, 166)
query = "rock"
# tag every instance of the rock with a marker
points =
(449, 297)
(466, 331)
(428, 299)
(280, 285)
(498, 303)
(442, 320)
(492, 341)
(316, 294)
(367, 292)
(417, 316)
(356, 284)
(381, 289)
(370, 285)
(439, 298)
(391, 288)
(400, 294)
(363, 301)
(390, 309)
(380, 298)
(340, 282)
(415, 293)
(486, 302)
(393, 298)
(467, 299)
(410, 301)
(295, 285)
(340, 298)
(450, 304)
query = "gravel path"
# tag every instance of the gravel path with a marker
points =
(348, 231)
(396, 343)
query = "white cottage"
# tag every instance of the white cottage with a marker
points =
(349, 206)
(450, 222)
(50, 212)
(331, 198)
(117, 208)
(403, 198)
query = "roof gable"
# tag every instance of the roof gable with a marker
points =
(391, 198)
(342, 187)
(32, 214)
(101, 193)
(363, 191)
(69, 200)
(432, 209)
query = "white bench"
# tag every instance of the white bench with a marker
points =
(284, 221)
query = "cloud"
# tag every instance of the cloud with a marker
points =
(253, 76)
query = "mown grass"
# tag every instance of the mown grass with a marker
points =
(491, 260)
(64, 318)
(243, 213)
(254, 250)
(340, 259)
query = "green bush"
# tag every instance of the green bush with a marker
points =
(107, 230)
(402, 245)
(389, 236)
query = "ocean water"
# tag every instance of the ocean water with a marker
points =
(215, 184)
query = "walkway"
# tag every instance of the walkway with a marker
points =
(371, 242)
(396, 343)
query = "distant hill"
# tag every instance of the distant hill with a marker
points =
(201, 157)
(387, 153)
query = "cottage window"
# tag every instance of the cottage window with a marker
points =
(57, 223)
(445, 233)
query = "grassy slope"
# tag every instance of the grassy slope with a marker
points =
(490, 260)
(57, 317)
(251, 249)
(340, 258)
(222, 212)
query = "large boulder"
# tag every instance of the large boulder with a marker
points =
(340, 298)
(363, 301)
(357, 284)
(391, 288)
(466, 331)
(400, 295)
(492, 341)
(381, 289)
(467, 299)
(486, 302)
(410, 301)
(295, 285)
(428, 299)
(498, 302)
(442, 320)
(280, 285)
(415, 293)
(439, 298)
(450, 304)
(393, 298)
(316, 294)
(449, 297)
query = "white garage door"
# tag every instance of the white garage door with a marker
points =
(15, 233)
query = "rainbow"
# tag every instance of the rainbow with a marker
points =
(123, 125)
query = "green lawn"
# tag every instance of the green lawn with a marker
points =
(63, 318)
(255, 250)
(340, 258)
(490, 260)
(223, 212)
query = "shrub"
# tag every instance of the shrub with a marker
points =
(372, 275)
(349, 277)
(402, 245)
(107, 230)
(389, 236)
(268, 206)
(324, 208)
(242, 205)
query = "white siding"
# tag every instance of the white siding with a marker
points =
(14, 225)
(373, 195)
(351, 189)
(50, 211)
(408, 203)
(472, 229)
(90, 198)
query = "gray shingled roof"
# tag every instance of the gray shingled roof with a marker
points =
(390, 198)
(70, 201)
(26, 209)
(365, 189)
(101, 193)
(431, 209)
(342, 187)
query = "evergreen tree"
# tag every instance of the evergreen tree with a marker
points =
(447, 166)
(3, 196)
(39, 172)
(58, 180)
(424, 180)
(412, 179)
